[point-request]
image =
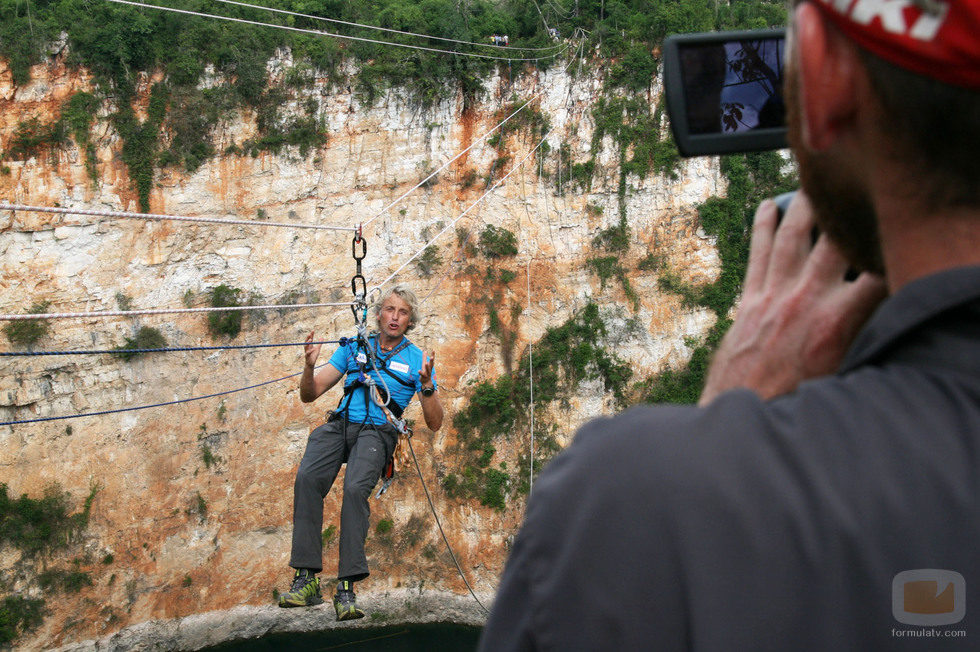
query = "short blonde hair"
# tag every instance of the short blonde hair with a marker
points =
(405, 295)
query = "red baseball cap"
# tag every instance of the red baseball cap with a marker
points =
(934, 38)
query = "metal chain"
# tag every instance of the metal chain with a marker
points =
(358, 284)
(365, 358)
(365, 355)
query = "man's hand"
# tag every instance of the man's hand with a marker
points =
(425, 373)
(312, 384)
(798, 315)
(431, 407)
(312, 351)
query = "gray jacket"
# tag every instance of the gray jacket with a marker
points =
(772, 525)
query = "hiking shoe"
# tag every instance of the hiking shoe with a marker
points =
(305, 591)
(345, 602)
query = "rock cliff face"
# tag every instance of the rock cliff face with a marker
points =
(192, 509)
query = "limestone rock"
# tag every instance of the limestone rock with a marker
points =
(194, 499)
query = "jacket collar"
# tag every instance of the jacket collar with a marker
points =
(908, 309)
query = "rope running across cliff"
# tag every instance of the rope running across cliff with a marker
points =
(378, 286)
(358, 303)
(133, 313)
(316, 32)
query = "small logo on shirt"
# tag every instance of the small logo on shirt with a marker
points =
(928, 597)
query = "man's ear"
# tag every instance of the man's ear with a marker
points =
(828, 65)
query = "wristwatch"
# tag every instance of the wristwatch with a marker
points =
(428, 391)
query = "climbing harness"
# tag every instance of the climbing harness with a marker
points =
(368, 359)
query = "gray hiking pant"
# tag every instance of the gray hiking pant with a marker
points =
(365, 449)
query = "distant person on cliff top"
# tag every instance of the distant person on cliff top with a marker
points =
(825, 495)
(357, 433)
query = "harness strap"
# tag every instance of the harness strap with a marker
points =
(381, 364)
(396, 409)
(406, 383)
(392, 410)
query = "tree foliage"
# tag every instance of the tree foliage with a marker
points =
(120, 45)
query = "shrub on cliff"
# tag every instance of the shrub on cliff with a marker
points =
(28, 332)
(429, 261)
(497, 243)
(225, 322)
(19, 615)
(146, 338)
(31, 136)
(40, 525)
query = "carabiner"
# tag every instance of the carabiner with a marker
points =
(353, 247)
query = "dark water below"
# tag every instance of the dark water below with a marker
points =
(441, 637)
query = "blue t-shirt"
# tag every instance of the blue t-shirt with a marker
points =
(400, 373)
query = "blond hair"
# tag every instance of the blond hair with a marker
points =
(405, 295)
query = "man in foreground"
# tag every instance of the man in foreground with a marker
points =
(358, 433)
(824, 496)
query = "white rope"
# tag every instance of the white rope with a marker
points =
(461, 215)
(530, 372)
(543, 21)
(564, 13)
(331, 34)
(450, 161)
(385, 29)
(175, 218)
(163, 311)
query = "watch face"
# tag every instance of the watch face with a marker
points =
(428, 391)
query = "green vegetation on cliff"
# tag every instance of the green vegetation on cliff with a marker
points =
(27, 332)
(214, 68)
(146, 337)
(122, 45)
(38, 527)
(751, 178)
(41, 525)
(563, 358)
(19, 615)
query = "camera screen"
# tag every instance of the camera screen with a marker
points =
(734, 86)
(725, 91)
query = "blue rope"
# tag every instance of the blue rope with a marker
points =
(145, 407)
(342, 341)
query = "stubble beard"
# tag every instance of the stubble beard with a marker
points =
(843, 208)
